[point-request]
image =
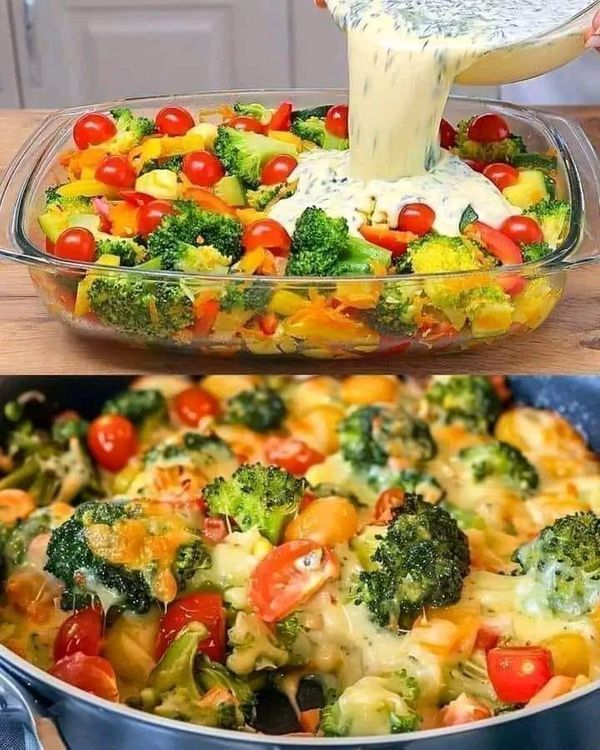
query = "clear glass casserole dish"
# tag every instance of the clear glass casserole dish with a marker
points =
(311, 317)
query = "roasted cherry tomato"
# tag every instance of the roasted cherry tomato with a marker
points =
(336, 121)
(112, 441)
(448, 135)
(502, 175)
(93, 129)
(151, 215)
(292, 454)
(81, 632)
(496, 243)
(288, 576)
(90, 673)
(204, 607)
(417, 218)
(174, 121)
(278, 169)
(488, 128)
(523, 230)
(390, 239)
(76, 244)
(282, 117)
(518, 673)
(193, 404)
(249, 124)
(269, 234)
(387, 503)
(202, 168)
(116, 171)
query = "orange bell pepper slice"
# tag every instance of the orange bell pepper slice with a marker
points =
(124, 219)
(208, 201)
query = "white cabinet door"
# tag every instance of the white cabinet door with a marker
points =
(81, 51)
(9, 82)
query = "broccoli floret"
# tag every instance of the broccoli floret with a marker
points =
(373, 706)
(410, 480)
(469, 400)
(564, 562)
(250, 298)
(322, 246)
(184, 233)
(495, 151)
(189, 559)
(130, 252)
(87, 554)
(554, 217)
(131, 130)
(173, 164)
(421, 560)
(245, 153)
(59, 210)
(466, 519)
(256, 110)
(502, 462)
(193, 259)
(471, 678)
(257, 496)
(371, 434)
(310, 126)
(142, 308)
(254, 646)
(212, 675)
(261, 410)
(535, 251)
(268, 195)
(69, 426)
(52, 195)
(189, 448)
(394, 313)
(138, 406)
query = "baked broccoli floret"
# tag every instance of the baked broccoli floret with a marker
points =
(410, 480)
(250, 298)
(181, 237)
(564, 561)
(255, 646)
(138, 406)
(470, 400)
(189, 448)
(212, 675)
(421, 561)
(554, 217)
(394, 313)
(245, 153)
(535, 251)
(257, 496)
(322, 246)
(495, 151)
(131, 130)
(129, 252)
(189, 559)
(267, 196)
(261, 410)
(310, 126)
(67, 426)
(371, 434)
(470, 677)
(503, 462)
(258, 111)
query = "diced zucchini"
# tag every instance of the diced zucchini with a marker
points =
(231, 190)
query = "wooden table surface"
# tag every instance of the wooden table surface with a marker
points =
(32, 342)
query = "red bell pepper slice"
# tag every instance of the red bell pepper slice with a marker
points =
(390, 239)
(282, 117)
(498, 244)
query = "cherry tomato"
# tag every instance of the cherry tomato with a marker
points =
(326, 521)
(136, 198)
(93, 129)
(387, 502)
(278, 169)
(288, 576)
(76, 244)
(112, 441)
(282, 117)
(214, 530)
(417, 218)
(268, 323)
(448, 135)
(193, 404)
(151, 215)
(336, 121)
(476, 166)
(292, 454)
(390, 239)
(174, 121)
(502, 175)
(269, 234)
(488, 638)
(519, 672)
(523, 230)
(90, 673)
(498, 244)
(488, 128)
(81, 632)
(204, 607)
(248, 124)
(116, 171)
(202, 168)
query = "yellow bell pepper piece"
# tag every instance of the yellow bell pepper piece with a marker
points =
(286, 303)
(321, 325)
(570, 654)
(208, 131)
(159, 183)
(286, 137)
(360, 294)
(180, 145)
(250, 215)
(252, 261)
(87, 189)
(536, 302)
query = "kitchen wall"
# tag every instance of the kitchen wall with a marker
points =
(69, 52)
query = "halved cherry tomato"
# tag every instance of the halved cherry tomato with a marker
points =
(269, 234)
(519, 672)
(487, 638)
(151, 215)
(523, 230)
(93, 129)
(498, 244)
(336, 121)
(488, 128)
(282, 117)
(417, 218)
(116, 171)
(448, 135)
(387, 502)
(112, 441)
(288, 576)
(502, 175)
(214, 530)
(390, 239)
(90, 673)
(202, 168)
(209, 201)
(174, 121)
(76, 244)
(248, 124)
(136, 198)
(278, 169)
(292, 454)
(476, 166)
(193, 404)
(81, 632)
(204, 607)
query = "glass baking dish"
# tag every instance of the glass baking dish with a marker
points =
(310, 317)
